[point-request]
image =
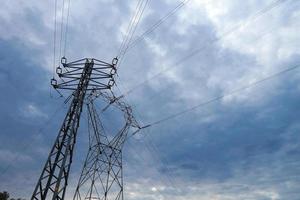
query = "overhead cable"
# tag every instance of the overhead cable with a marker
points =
(195, 52)
(253, 84)
(132, 25)
(156, 25)
(61, 28)
(66, 28)
(54, 38)
(131, 32)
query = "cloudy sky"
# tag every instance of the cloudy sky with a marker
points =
(244, 145)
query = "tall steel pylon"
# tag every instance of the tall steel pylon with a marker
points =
(102, 174)
(80, 76)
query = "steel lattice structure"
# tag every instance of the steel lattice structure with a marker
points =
(102, 174)
(80, 76)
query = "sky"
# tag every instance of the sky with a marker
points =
(244, 145)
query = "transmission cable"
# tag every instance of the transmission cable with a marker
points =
(255, 83)
(132, 30)
(156, 25)
(133, 23)
(61, 28)
(139, 156)
(54, 46)
(225, 34)
(137, 21)
(66, 28)
(126, 99)
(54, 38)
(127, 30)
(162, 160)
(201, 67)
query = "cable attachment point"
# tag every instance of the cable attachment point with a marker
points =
(111, 83)
(59, 71)
(140, 128)
(113, 71)
(98, 73)
(145, 126)
(115, 61)
(64, 61)
(54, 83)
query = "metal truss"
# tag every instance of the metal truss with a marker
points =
(79, 76)
(102, 174)
(70, 74)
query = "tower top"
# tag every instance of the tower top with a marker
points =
(102, 76)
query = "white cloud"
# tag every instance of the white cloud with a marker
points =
(254, 51)
(31, 110)
(7, 156)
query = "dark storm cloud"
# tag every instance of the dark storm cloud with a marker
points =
(244, 146)
(24, 107)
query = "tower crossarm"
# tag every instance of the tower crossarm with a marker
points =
(102, 75)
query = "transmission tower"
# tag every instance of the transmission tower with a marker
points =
(102, 174)
(80, 76)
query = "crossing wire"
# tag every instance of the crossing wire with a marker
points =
(66, 28)
(253, 84)
(54, 37)
(162, 160)
(63, 36)
(261, 12)
(134, 29)
(156, 25)
(54, 46)
(42, 129)
(131, 26)
(213, 100)
(138, 154)
(61, 28)
(169, 179)
(136, 21)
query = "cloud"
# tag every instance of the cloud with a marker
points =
(31, 110)
(6, 156)
(244, 146)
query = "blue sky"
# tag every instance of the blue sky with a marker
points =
(244, 146)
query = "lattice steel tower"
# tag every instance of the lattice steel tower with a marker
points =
(102, 174)
(104, 159)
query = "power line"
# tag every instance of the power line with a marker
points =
(172, 116)
(54, 46)
(54, 38)
(136, 21)
(61, 28)
(145, 161)
(195, 52)
(66, 29)
(156, 25)
(162, 160)
(162, 90)
(63, 35)
(128, 28)
(132, 25)
(126, 99)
